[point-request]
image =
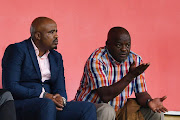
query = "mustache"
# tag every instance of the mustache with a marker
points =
(55, 40)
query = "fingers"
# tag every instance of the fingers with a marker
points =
(158, 110)
(56, 95)
(58, 104)
(59, 109)
(144, 66)
(163, 109)
(155, 110)
(134, 63)
(59, 99)
(141, 68)
(163, 98)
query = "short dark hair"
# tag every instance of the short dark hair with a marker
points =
(117, 29)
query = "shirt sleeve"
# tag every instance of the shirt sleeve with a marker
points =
(96, 73)
(139, 82)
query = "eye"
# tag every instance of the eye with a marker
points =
(51, 32)
(128, 45)
(118, 45)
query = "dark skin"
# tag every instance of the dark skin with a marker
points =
(44, 36)
(118, 45)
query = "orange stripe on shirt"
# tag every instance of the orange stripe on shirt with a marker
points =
(142, 84)
(99, 73)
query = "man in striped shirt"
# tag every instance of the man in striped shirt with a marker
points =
(112, 73)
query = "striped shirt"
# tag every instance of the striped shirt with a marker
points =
(101, 69)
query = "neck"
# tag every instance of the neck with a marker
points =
(41, 53)
(41, 49)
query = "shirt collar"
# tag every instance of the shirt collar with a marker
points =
(37, 51)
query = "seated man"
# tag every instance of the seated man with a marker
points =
(7, 109)
(34, 74)
(111, 74)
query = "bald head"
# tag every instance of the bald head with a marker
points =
(118, 43)
(117, 30)
(44, 34)
(38, 24)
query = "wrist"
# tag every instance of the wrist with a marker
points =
(48, 95)
(64, 101)
(147, 102)
(44, 94)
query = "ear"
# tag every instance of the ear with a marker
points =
(37, 35)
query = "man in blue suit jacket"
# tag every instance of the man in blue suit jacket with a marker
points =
(33, 72)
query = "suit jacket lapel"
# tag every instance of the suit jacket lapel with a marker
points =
(33, 57)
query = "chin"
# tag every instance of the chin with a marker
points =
(54, 47)
(121, 60)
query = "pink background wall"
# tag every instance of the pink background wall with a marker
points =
(83, 26)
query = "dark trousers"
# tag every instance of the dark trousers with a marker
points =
(7, 108)
(45, 109)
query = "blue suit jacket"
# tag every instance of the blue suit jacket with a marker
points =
(21, 73)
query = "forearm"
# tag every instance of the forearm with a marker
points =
(107, 93)
(11, 82)
(142, 98)
(21, 92)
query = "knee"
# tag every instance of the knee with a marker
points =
(150, 115)
(90, 106)
(47, 103)
(6, 97)
(106, 110)
(159, 116)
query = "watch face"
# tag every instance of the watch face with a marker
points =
(148, 100)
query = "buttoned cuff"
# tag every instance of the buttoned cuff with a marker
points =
(42, 93)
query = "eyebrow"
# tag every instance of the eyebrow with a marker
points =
(52, 31)
(120, 42)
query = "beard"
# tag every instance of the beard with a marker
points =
(55, 47)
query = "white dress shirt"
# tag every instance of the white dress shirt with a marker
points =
(44, 66)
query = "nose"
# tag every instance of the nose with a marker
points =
(123, 48)
(56, 35)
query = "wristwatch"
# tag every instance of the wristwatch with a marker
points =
(148, 100)
(64, 101)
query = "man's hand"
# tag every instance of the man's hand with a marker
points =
(57, 99)
(156, 105)
(136, 71)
